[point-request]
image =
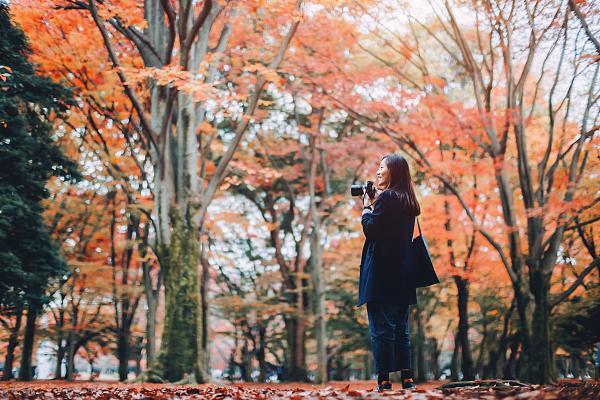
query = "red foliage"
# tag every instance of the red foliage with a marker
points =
(339, 390)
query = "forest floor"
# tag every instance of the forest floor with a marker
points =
(354, 390)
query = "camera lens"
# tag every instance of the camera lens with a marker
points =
(357, 190)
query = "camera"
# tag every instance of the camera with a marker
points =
(359, 190)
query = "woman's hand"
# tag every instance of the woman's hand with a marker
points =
(368, 201)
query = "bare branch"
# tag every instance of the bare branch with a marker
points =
(148, 131)
(564, 295)
(588, 32)
(207, 6)
(146, 49)
(171, 17)
(584, 223)
(497, 246)
(220, 171)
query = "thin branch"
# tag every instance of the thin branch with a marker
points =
(588, 32)
(171, 17)
(221, 169)
(564, 295)
(148, 131)
(207, 6)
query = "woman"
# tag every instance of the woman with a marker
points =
(386, 280)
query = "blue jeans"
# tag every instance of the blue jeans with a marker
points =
(390, 338)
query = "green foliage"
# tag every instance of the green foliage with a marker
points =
(576, 327)
(346, 325)
(28, 158)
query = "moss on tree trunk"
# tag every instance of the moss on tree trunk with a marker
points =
(180, 347)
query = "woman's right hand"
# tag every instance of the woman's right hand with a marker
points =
(367, 201)
(370, 201)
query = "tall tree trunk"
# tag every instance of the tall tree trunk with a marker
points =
(91, 362)
(138, 366)
(164, 195)
(454, 364)
(510, 367)
(124, 306)
(152, 303)
(246, 363)
(181, 353)
(71, 355)
(13, 341)
(462, 285)
(538, 357)
(123, 353)
(479, 363)
(420, 372)
(151, 294)
(260, 353)
(60, 355)
(152, 297)
(60, 347)
(299, 366)
(181, 339)
(295, 322)
(319, 296)
(10, 354)
(204, 282)
(498, 357)
(25, 372)
(435, 358)
(316, 257)
(297, 343)
(575, 366)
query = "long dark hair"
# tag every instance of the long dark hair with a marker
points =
(400, 182)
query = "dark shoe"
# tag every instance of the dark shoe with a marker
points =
(385, 385)
(408, 384)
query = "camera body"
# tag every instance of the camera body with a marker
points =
(359, 190)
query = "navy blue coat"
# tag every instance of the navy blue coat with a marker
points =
(386, 262)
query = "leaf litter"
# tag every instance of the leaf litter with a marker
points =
(83, 391)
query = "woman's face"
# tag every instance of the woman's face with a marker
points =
(383, 176)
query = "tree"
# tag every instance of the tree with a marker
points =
(78, 312)
(509, 104)
(539, 255)
(172, 43)
(249, 300)
(28, 158)
(103, 239)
